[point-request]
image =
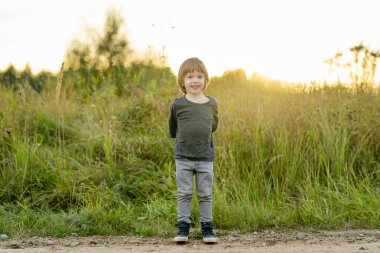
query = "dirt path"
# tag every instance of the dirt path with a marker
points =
(364, 241)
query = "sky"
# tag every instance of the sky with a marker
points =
(281, 39)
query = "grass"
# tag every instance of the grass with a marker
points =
(287, 157)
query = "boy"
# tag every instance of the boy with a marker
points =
(192, 120)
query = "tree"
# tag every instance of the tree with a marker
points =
(106, 49)
(78, 55)
(26, 78)
(9, 77)
(231, 78)
(113, 47)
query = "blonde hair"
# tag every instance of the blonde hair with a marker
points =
(188, 66)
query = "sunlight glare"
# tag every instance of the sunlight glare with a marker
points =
(286, 40)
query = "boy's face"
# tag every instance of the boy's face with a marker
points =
(194, 83)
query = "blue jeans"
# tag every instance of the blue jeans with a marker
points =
(204, 174)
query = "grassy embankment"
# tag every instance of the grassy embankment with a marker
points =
(287, 156)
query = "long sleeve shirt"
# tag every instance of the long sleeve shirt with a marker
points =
(192, 125)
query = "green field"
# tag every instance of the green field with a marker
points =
(100, 160)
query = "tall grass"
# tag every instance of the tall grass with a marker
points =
(287, 156)
(290, 158)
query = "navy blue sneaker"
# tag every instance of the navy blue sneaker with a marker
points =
(183, 232)
(208, 233)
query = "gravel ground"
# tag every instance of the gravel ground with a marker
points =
(348, 241)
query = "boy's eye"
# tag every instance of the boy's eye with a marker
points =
(189, 76)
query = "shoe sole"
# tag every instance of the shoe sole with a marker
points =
(210, 240)
(181, 239)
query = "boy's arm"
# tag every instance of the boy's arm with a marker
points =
(172, 121)
(216, 118)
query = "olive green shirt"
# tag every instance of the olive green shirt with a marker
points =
(192, 125)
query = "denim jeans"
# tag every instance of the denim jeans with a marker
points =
(204, 174)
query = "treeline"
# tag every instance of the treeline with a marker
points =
(13, 78)
(105, 59)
